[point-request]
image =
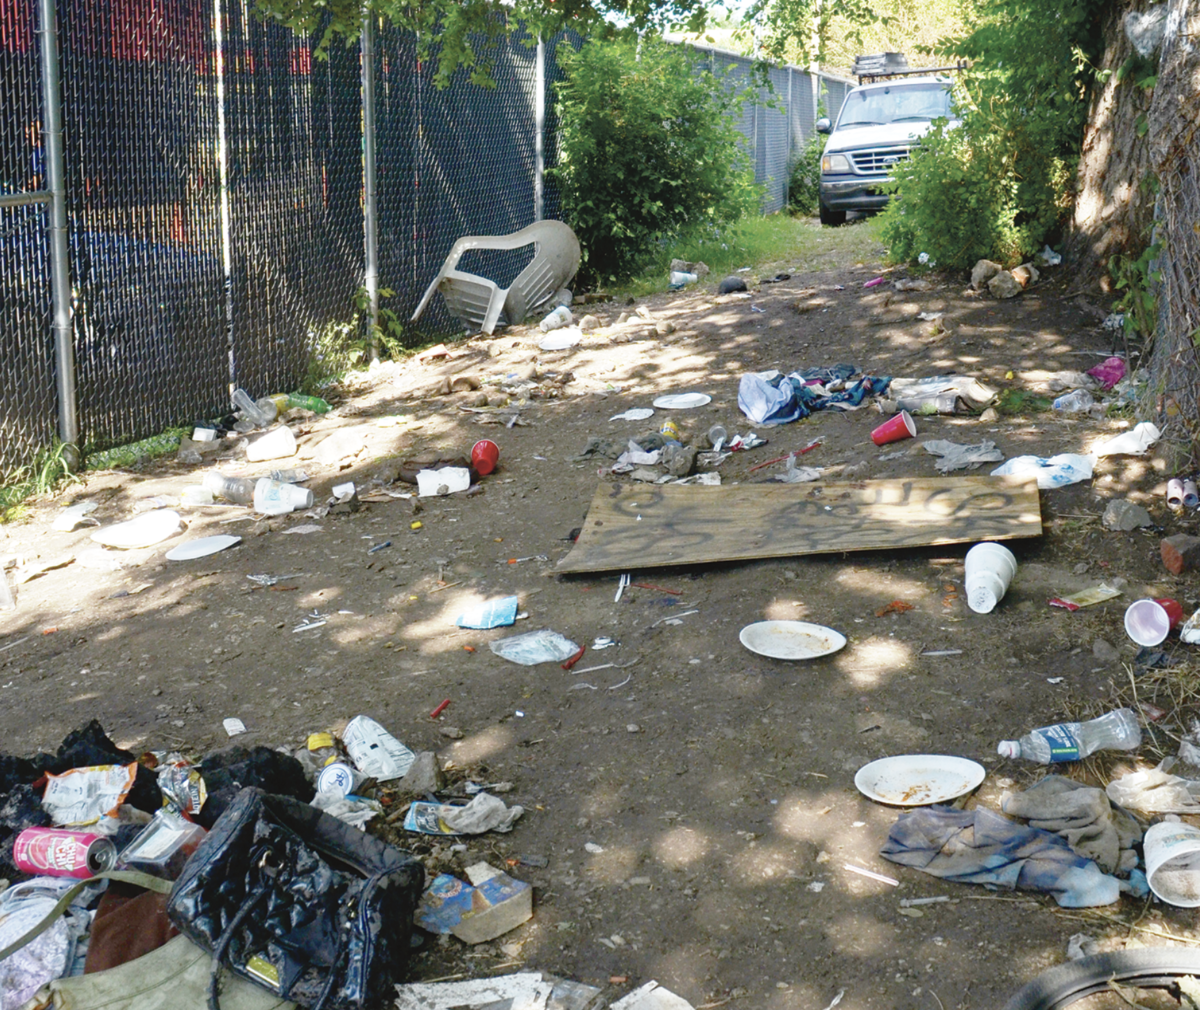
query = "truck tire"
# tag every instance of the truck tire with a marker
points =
(1146, 967)
(833, 218)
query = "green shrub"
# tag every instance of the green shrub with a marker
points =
(804, 183)
(649, 152)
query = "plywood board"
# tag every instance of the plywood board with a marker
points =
(637, 526)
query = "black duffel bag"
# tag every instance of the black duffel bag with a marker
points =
(299, 902)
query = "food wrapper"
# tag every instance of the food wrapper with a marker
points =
(88, 796)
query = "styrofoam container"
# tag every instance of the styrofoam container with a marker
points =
(1173, 862)
(989, 569)
(275, 444)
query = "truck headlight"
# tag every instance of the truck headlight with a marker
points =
(835, 163)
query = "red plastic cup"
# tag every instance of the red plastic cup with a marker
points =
(1174, 610)
(893, 430)
(484, 455)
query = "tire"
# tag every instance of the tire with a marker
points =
(833, 218)
(1148, 967)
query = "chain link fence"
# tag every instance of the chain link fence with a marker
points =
(213, 174)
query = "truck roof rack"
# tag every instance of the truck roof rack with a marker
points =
(885, 66)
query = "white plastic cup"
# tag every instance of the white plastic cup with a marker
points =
(989, 569)
(1147, 622)
(1173, 862)
(275, 498)
(561, 316)
(275, 444)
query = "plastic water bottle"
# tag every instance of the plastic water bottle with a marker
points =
(313, 403)
(234, 489)
(262, 412)
(681, 279)
(1073, 741)
(1074, 403)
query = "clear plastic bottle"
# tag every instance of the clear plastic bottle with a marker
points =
(234, 489)
(261, 413)
(1074, 403)
(1073, 741)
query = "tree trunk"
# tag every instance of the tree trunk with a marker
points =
(1113, 209)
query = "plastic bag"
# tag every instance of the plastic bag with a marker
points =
(1055, 471)
(1130, 443)
(535, 647)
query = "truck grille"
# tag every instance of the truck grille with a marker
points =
(881, 160)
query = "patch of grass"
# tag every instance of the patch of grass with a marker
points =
(778, 243)
(1021, 401)
(46, 473)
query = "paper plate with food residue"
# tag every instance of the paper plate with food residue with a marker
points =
(791, 639)
(916, 780)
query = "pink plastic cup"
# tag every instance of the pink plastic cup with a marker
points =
(1148, 622)
(893, 430)
(484, 455)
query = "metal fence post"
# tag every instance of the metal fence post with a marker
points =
(370, 208)
(60, 274)
(539, 139)
(223, 168)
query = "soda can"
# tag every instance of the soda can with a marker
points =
(669, 429)
(56, 852)
(339, 778)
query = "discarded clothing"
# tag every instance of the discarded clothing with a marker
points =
(956, 456)
(1083, 816)
(981, 847)
(773, 398)
(1055, 471)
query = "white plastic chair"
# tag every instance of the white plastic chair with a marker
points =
(479, 302)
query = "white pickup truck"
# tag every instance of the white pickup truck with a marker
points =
(877, 125)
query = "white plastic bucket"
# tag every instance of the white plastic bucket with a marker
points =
(1173, 863)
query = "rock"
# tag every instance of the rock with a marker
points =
(990, 416)
(497, 399)
(480, 399)
(912, 284)
(1025, 274)
(679, 460)
(451, 732)
(1180, 553)
(1003, 285)
(464, 384)
(645, 313)
(1104, 651)
(664, 329)
(685, 267)
(589, 323)
(730, 285)
(983, 272)
(425, 776)
(1125, 515)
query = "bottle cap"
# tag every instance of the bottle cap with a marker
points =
(1009, 748)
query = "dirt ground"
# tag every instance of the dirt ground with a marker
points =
(713, 788)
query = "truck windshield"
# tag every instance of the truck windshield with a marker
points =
(893, 103)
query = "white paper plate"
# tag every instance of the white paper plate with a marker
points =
(561, 340)
(633, 414)
(146, 530)
(791, 639)
(682, 401)
(202, 547)
(916, 780)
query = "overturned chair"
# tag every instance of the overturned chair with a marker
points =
(479, 302)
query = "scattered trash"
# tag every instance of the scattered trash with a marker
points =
(57, 852)
(375, 751)
(563, 339)
(1086, 598)
(799, 474)
(275, 497)
(682, 401)
(1156, 791)
(146, 530)
(557, 319)
(773, 398)
(233, 726)
(275, 444)
(1173, 863)
(523, 991)
(484, 456)
(791, 639)
(681, 279)
(912, 284)
(201, 547)
(69, 518)
(895, 429)
(871, 874)
(1074, 741)
(492, 614)
(1109, 372)
(895, 607)
(988, 571)
(634, 414)
(1049, 257)
(874, 282)
(955, 456)
(1149, 622)
(1130, 443)
(80, 797)
(1074, 403)
(1055, 471)
(917, 780)
(484, 813)
(534, 647)
(447, 480)
(652, 996)
(490, 906)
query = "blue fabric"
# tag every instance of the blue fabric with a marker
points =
(981, 847)
(770, 398)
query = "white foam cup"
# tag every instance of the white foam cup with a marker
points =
(989, 569)
(1147, 622)
(1173, 862)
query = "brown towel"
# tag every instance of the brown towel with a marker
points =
(129, 922)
